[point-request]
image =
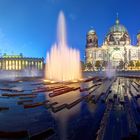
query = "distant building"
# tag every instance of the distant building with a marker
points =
(19, 63)
(116, 49)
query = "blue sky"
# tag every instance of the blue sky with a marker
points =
(29, 26)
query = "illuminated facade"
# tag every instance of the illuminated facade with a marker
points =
(19, 63)
(116, 49)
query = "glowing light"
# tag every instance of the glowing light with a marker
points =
(52, 82)
(81, 79)
(74, 81)
(46, 80)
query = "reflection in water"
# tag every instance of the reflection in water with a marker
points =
(62, 117)
(80, 122)
(91, 107)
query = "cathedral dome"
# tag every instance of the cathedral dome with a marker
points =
(118, 28)
(117, 35)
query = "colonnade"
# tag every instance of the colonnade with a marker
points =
(20, 63)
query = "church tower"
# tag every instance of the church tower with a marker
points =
(92, 39)
(138, 39)
(91, 44)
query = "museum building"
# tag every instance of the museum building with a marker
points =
(19, 63)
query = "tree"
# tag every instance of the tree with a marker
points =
(89, 66)
(82, 65)
(98, 64)
(131, 64)
(137, 64)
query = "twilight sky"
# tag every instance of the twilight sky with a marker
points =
(29, 26)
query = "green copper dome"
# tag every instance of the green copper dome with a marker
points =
(118, 27)
(92, 31)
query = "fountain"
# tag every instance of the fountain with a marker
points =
(63, 63)
(110, 71)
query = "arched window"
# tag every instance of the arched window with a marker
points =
(90, 40)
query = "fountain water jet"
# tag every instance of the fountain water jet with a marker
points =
(110, 71)
(63, 63)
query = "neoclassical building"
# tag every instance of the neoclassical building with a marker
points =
(116, 49)
(19, 63)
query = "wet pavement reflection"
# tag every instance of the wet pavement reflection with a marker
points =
(98, 109)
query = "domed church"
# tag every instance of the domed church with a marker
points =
(116, 49)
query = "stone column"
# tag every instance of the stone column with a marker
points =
(38, 65)
(0, 65)
(4, 64)
(14, 65)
